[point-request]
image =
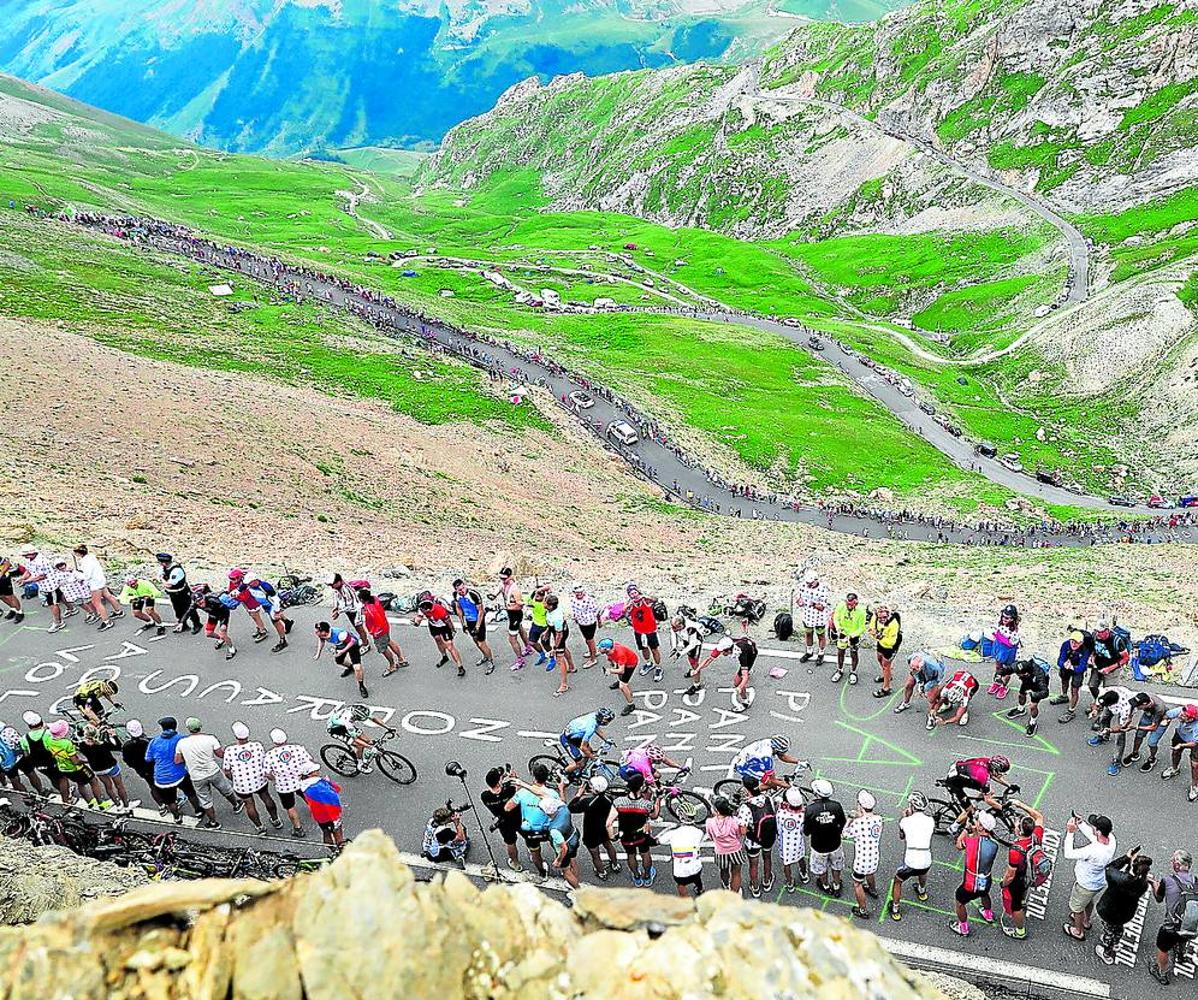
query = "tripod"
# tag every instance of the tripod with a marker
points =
(490, 872)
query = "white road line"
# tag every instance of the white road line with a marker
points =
(992, 968)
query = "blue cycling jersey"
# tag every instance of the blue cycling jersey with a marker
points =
(583, 728)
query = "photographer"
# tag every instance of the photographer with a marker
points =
(495, 797)
(445, 838)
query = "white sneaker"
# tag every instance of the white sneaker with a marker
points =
(1169, 772)
(931, 724)
(365, 769)
(56, 627)
(964, 720)
(901, 707)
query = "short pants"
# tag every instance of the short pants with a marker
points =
(696, 880)
(1014, 898)
(820, 862)
(353, 654)
(906, 872)
(142, 604)
(964, 896)
(477, 629)
(646, 640)
(1071, 677)
(588, 631)
(1080, 897)
(534, 634)
(514, 620)
(848, 642)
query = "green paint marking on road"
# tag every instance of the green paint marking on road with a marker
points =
(1043, 790)
(1037, 743)
(844, 707)
(826, 899)
(1037, 740)
(869, 739)
(872, 786)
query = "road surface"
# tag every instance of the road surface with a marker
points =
(851, 738)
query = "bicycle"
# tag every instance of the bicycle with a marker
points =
(677, 797)
(109, 720)
(340, 757)
(733, 789)
(559, 760)
(945, 811)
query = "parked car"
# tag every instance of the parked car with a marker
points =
(987, 449)
(1121, 502)
(928, 408)
(815, 343)
(1156, 500)
(791, 321)
(953, 429)
(623, 432)
(1011, 462)
(1050, 476)
(1187, 501)
(580, 400)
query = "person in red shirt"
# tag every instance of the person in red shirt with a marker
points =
(375, 616)
(622, 662)
(241, 593)
(440, 627)
(644, 627)
(1014, 883)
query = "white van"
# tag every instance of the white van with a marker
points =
(622, 432)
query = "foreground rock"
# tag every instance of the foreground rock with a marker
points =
(366, 927)
(35, 880)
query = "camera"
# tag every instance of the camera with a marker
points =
(455, 770)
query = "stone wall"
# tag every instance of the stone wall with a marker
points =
(364, 926)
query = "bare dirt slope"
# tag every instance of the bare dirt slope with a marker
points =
(136, 456)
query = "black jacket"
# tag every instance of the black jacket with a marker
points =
(1123, 891)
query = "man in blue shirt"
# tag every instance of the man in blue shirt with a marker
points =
(928, 672)
(170, 777)
(472, 613)
(1075, 656)
(1185, 737)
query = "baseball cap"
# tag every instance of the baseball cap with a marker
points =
(168, 722)
(241, 730)
(1076, 636)
(130, 580)
(163, 557)
(578, 588)
(822, 787)
(31, 718)
(59, 729)
(866, 800)
(505, 572)
(1102, 625)
(236, 574)
(794, 797)
(278, 737)
(1101, 823)
(599, 783)
(332, 579)
(1190, 711)
(134, 728)
(987, 822)
(192, 724)
(60, 561)
(811, 576)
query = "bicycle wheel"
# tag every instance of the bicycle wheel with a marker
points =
(285, 868)
(943, 813)
(396, 766)
(550, 761)
(340, 758)
(695, 801)
(16, 825)
(730, 788)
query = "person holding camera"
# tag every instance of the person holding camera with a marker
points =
(495, 797)
(445, 838)
(1126, 882)
(1179, 892)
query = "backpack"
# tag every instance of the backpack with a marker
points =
(1183, 921)
(709, 625)
(1153, 649)
(265, 586)
(784, 626)
(386, 599)
(1037, 865)
(765, 823)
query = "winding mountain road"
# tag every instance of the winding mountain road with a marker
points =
(1078, 250)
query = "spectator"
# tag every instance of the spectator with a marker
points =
(1179, 892)
(685, 841)
(758, 816)
(726, 833)
(563, 838)
(170, 776)
(865, 830)
(445, 839)
(824, 825)
(101, 597)
(199, 752)
(1089, 870)
(1113, 711)
(245, 763)
(98, 746)
(915, 831)
(133, 753)
(323, 798)
(1185, 737)
(495, 797)
(73, 766)
(794, 844)
(287, 764)
(140, 595)
(39, 571)
(345, 602)
(1126, 882)
(979, 849)
(632, 813)
(178, 592)
(584, 609)
(13, 762)
(595, 804)
(1015, 883)
(9, 572)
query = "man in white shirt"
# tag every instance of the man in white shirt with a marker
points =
(245, 763)
(1113, 715)
(685, 841)
(87, 564)
(287, 765)
(198, 752)
(1089, 869)
(915, 830)
(812, 604)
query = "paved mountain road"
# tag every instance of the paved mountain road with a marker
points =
(851, 738)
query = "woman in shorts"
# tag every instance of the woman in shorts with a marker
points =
(727, 833)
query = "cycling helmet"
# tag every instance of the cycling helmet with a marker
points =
(779, 744)
(1010, 611)
(822, 788)
(954, 694)
(655, 752)
(604, 716)
(999, 764)
(917, 801)
(359, 713)
(606, 644)
(598, 783)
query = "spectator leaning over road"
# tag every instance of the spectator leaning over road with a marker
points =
(791, 810)
(9, 572)
(97, 581)
(170, 775)
(75, 591)
(1034, 674)
(140, 595)
(347, 652)
(925, 671)
(886, 629)
(245, 763)
(811, 602)
(1114, 715)
(758, 815)
(848, 618)
(1126, 882)
(622, 665)
(1089, 869)
(726, 832)
(978, 850)
(1151, 725)
(200, 752)
(915, 830)
(1179, 892)
(1015, 880)
(584, 609)
(133, 753)
(865, 830)
(178, 592)
(1073, 660)
(378, 626)
(824, 824)
(345, 602)
(685, 842)
(594, 802)
(1185, 737)
(287, 764)
(440, 628)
